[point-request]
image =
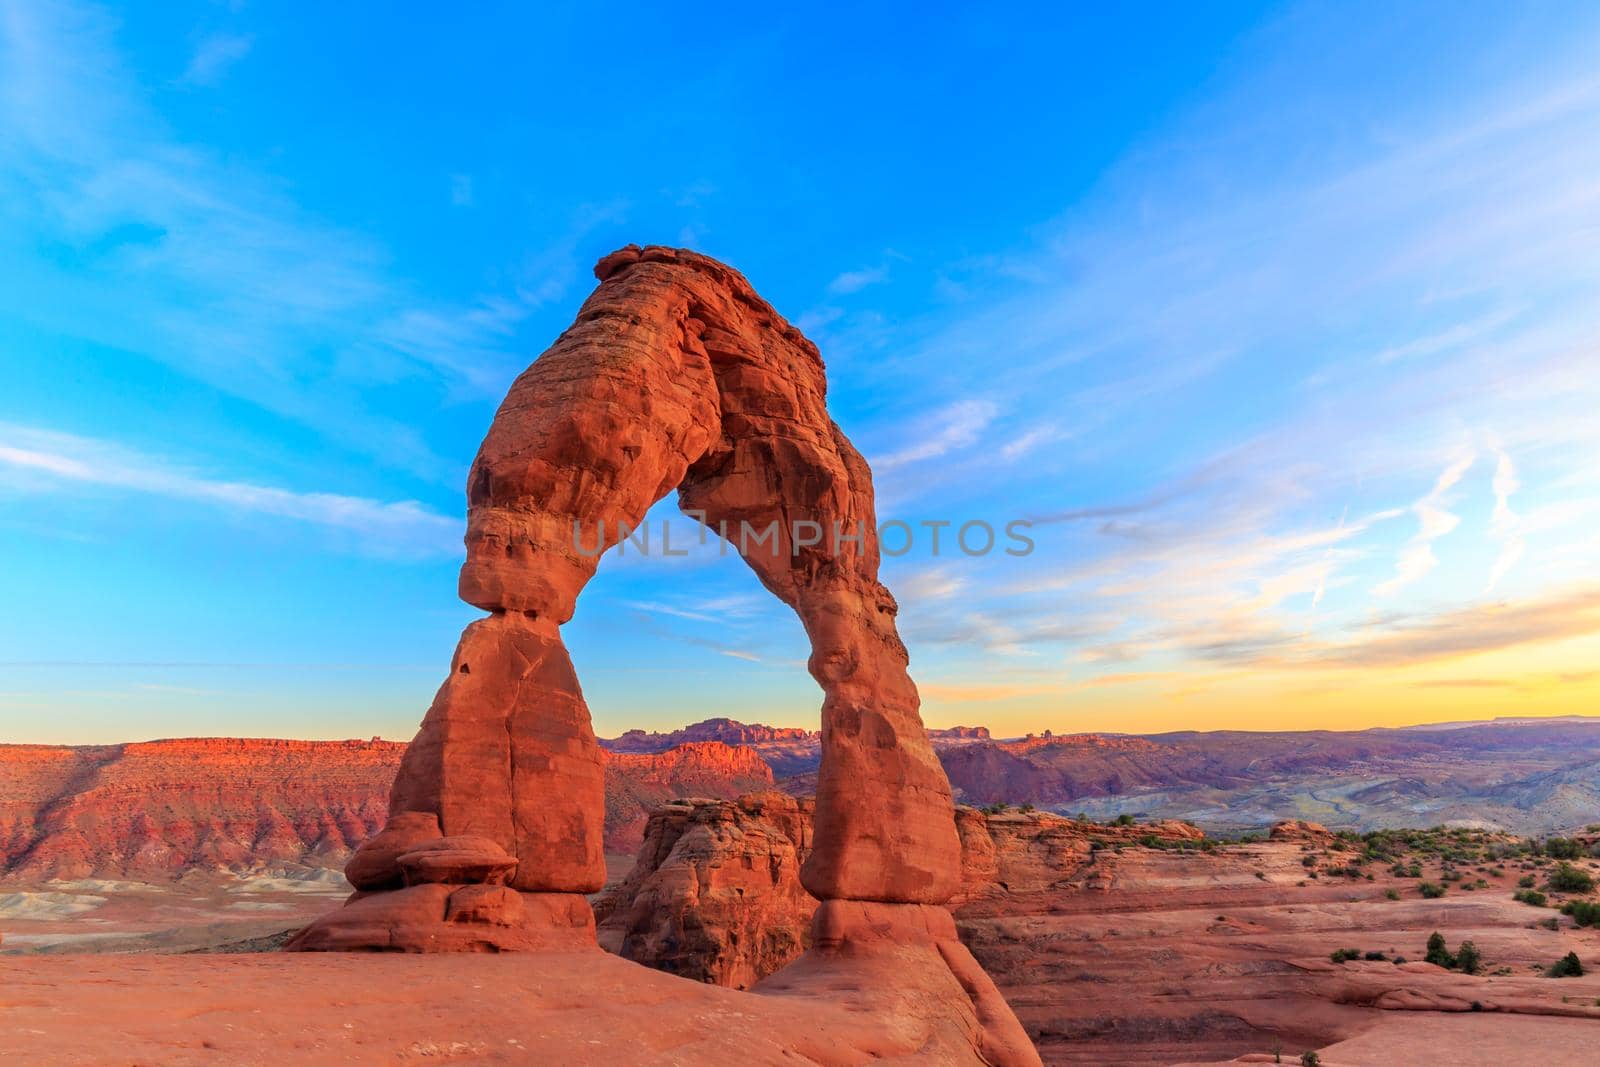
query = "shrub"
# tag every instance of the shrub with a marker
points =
(1526, 881)
(1531, 896)
(1431, 890)
(1583, 912)
(1568, 879)
(1123, 820)
(1340, 955)
(1568, 966)
(1468, 959)
(1392, 894)
(1563, 848)
(1375, 956)
(1437, 953)
(1310, 1059)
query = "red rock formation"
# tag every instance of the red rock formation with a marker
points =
(158, 809)
(727, 731)
(639, 783)
(959, 733)
(715, 894)
(677, 375)
(1300, 830)
(1114, 951)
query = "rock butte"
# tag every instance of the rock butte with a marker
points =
(675, 375)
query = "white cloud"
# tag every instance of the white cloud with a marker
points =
(1029, 440)
(214, 55)
(34, 460)
(1504, 524)
(853, 281)
(929, 583)
(1433, 522)
(938, 433)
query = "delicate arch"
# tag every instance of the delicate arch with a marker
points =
(675, 375)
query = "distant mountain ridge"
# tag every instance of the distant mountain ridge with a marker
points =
(790, 751)
(159, 808)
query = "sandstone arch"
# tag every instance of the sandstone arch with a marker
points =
(675, 375)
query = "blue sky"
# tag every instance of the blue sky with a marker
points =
(1280, 322)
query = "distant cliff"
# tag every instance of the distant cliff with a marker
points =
(164, 807)
(161, 808)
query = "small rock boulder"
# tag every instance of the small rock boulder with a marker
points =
(376, 863)
(457, 860)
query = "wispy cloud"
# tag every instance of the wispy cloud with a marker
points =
(34, 460)
(185, 256)
(1504, 525)
(215, 55)
(1031, 439)
(853, 281)
(940, 432)
(1433, 522)
(1479, 628)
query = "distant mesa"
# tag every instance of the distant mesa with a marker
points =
(727, 731)
(1300, 830)
(242, 804)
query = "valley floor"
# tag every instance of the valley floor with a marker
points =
(270, 1010)
(1154, 957)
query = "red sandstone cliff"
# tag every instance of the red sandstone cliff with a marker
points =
(639, 783)
(164, 807)
(160, 808)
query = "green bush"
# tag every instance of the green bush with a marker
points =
(1340, 955)
(1569, 879)
(1375, 956)
(1563, 848)
(1468, 960)
(1310, 1059)
(1431, 890)
(1568, 966)
(1583, 912)
(1531, 896)
(1527, 881)
(1392, 894)
(1437, 953)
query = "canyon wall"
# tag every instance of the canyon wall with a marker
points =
(159, 809)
